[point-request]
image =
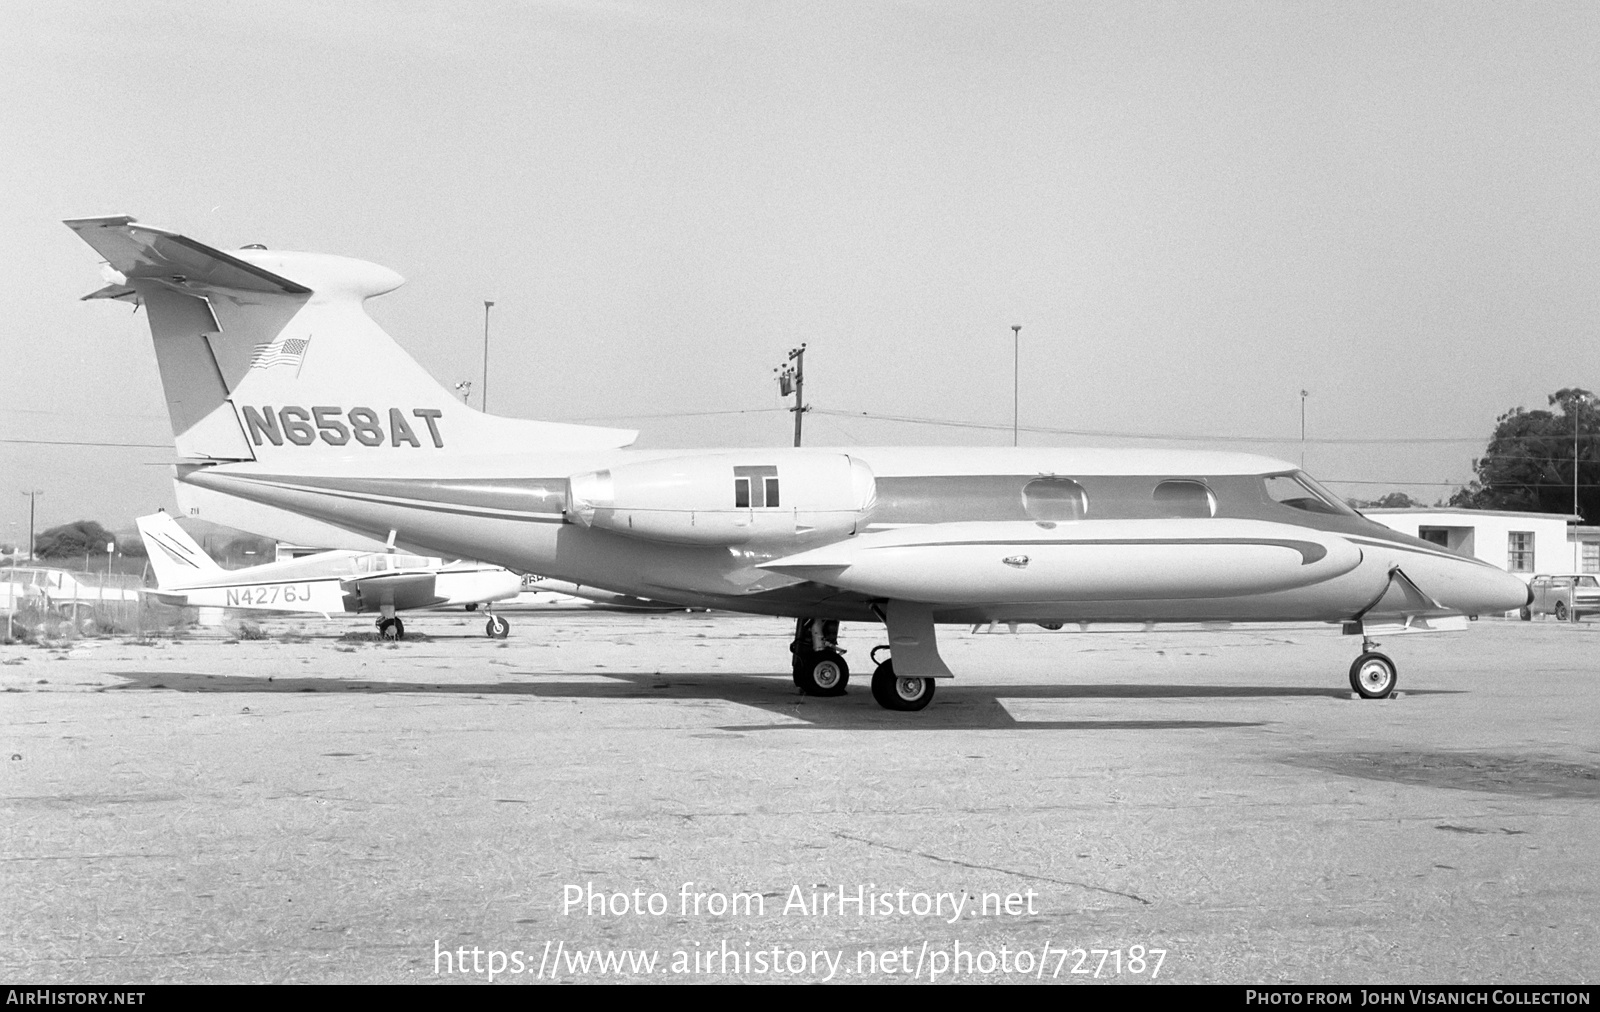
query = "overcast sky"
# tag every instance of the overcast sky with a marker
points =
(1195, 211)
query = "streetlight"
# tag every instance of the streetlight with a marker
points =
(1016, 356)
(483, 391)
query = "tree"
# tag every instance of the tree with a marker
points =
(1531, 457)
(72, 540)
(1392, 501)
(236, 549)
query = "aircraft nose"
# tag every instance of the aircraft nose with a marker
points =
(1494, 590)
(1470, 587)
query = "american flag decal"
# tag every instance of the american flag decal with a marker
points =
(283, 351)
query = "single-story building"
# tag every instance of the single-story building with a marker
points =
(1585, 548)
(1520, 543)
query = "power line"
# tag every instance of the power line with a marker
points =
(1176, 437)
(87, 442)
(682, 414)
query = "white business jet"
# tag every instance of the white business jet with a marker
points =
(296, 416)
(327, 583)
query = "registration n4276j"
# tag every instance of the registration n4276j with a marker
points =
(269, 594)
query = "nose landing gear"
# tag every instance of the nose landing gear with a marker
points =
(1373, 675)
(496, 628)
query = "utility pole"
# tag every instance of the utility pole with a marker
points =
(11, 590)
(483, 391)
(32, 494)
(1016, 358)
(1303, 395)
(792, 380)
(1576, 400)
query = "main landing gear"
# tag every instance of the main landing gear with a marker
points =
(496, 628)
(819, 665)
(820, 668)
(1373, 675)
(391, 628)
(894, 693)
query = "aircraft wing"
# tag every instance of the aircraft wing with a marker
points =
(165, 597)
(402, 589)
(145, 253)
(1405, 607)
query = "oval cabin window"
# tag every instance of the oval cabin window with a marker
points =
(1184, 499)
(1055, 499)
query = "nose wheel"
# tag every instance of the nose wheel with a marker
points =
(496, 628)
(1373, 676)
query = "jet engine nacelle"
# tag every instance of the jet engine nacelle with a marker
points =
(727, 498)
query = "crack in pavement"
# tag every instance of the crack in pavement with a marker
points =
(991, 867)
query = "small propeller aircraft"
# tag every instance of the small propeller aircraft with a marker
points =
(327, 583)
(295, 416)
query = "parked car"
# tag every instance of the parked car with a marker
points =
(1565, 597)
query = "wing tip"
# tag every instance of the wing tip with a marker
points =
(99, 221)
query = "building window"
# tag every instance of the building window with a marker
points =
(1591, 557)
(1435, 536)
(1519, 551)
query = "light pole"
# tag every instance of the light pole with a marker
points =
(1016, 358)
(483, 391)
(1303, 395)
(1576, 401)
(32, 494)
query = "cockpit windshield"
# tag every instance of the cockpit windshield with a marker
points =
(1300, 491)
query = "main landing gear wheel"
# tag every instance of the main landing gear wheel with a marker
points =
(823, 673)
(391, 628)
(1373, 676)
(496, 628)
(894, 693)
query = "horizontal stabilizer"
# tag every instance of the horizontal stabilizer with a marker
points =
(113, 292)
(145, 253)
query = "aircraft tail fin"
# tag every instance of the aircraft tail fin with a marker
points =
(269, 355)
(174, 555)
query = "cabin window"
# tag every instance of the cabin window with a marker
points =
(772, 491)
(1054, 499)
(741, 493)
(1519, 551)
(1184, 498)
